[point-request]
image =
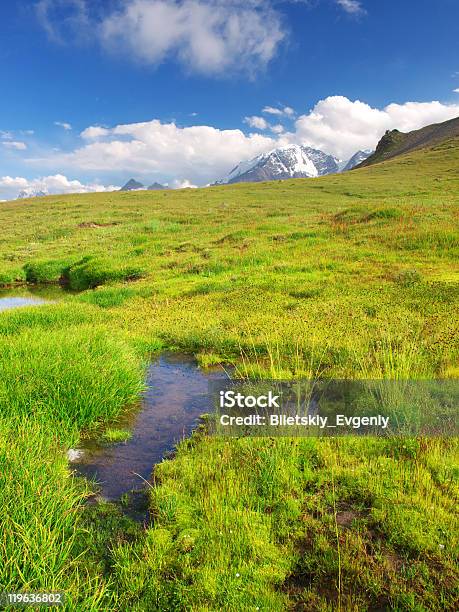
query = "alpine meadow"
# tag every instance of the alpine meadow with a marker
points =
(348, 276)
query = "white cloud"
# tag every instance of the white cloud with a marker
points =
(183, 184)
(161, 151)
(353, 7)
(6, 135)
(164, 152)
(14, 144)
(340, 126)
(57, 183)
(94, 132)
(212, 37)
(207, 36)
(456, 90)
(63, 125)
(256, 122)
(272, 111)
(286, 111)
(64, 19)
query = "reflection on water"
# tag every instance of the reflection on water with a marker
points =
(178, 393)
(19, 297)
(8, 303)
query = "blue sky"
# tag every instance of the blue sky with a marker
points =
(180, 90)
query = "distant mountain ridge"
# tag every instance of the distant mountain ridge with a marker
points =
(133, 185)
(154, 186)
(291, 161)
(395, 143)
(357, 159)
(30, 192)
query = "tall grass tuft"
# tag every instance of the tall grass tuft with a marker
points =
(72, 377)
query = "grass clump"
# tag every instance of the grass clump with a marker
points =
(108, 297)
(72, 377)
(57, 376)
(207, 360)
(90, 272)
(39, 512)
(43, 271)
(315, 524)
(211, 546)
(112, 435)
(59, 315)
(11, 277)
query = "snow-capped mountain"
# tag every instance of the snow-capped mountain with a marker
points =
(30, 192)
(292, 161)
(357, 159)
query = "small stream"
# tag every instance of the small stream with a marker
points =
(177, 395)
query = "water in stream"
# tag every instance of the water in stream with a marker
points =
(177, 394)
(28, 296)
(7, 303)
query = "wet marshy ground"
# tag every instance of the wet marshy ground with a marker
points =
(177, 395)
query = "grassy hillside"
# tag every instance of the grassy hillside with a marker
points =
(332, 263)
(395, 143)
(355, 275)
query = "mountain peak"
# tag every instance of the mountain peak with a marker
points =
(132, 185)
(289, 161)
(30, 192)
(395, 143)
(357, 159)
(156, 186)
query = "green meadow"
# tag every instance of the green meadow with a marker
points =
(346, 276)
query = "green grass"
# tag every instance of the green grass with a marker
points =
(40, 507)
(259, 525)
(350, 276)
(71, 377)
(43, 271)
(91, 272)
(113, 435)
(53, 383)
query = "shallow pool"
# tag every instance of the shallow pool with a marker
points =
(177, 394)
(8, 303)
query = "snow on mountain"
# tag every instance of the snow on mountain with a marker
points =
(291, 161)
(30, 192)
(357, 159)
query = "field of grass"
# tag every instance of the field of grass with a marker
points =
(350, 276)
